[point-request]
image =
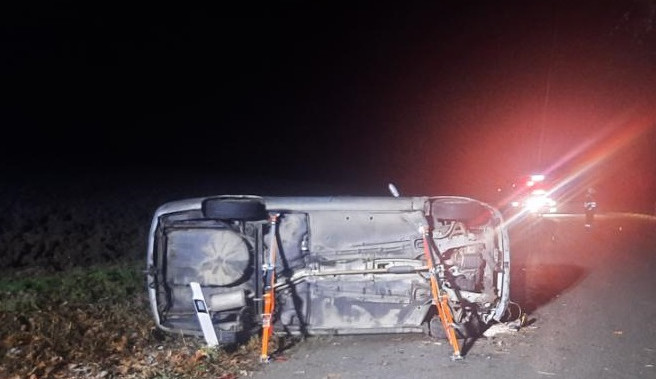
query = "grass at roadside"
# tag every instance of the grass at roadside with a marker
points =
(32, 291)
(96, 322)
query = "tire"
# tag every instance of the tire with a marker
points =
(435, 328)
(235, 209)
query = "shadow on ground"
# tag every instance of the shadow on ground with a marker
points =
(540, 270)
(533, 286)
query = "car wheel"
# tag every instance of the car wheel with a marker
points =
(464, 329)
(235, 209)
(435, 328)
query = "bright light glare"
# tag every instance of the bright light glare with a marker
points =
(539, 203)
(600, 147)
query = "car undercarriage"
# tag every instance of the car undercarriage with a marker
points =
(328, 265)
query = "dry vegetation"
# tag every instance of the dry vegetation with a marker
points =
(95, 323)
(72, 293)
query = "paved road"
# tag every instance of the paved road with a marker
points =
(591, 301)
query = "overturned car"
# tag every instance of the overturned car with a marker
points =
(228, 267)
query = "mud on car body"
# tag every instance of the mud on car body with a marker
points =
(345, 265)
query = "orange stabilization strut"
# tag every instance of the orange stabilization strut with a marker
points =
(269, 295)
(440, 299)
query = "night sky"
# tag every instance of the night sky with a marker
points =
(455, 97)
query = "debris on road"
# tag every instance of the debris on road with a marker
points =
(496, 329)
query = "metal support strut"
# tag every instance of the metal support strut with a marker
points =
(269, 288)
(440, 298)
